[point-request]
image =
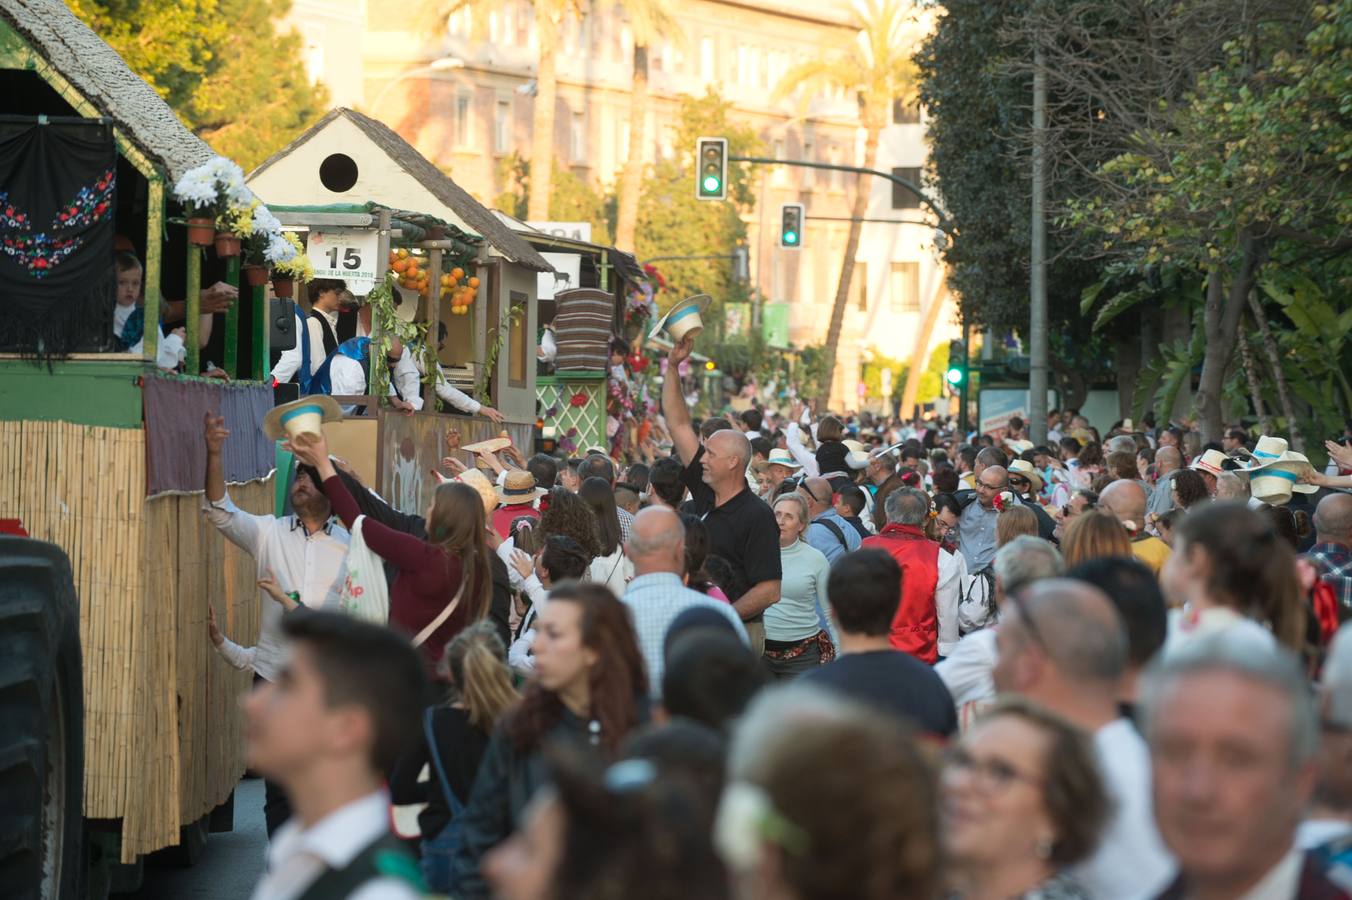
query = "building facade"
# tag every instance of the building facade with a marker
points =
(461, 90)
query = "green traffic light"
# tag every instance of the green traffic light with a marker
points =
(711, 184)
(954, 376)
(790, 237)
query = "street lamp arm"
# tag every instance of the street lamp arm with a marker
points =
(933, 207)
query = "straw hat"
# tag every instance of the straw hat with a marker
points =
(299, 416)
(492, 445)
(482, 486)
(683, 320)
(519, 488)
(1018, 445)
(1276, 472)
(782, 458)
(1027, 470)
(1212, 462)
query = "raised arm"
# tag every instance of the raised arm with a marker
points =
(215, 433)
(674, 410)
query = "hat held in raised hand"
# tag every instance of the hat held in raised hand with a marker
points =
(305, 415)
(683, 320)
(1276, 472)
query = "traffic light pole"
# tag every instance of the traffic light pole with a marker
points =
(963, 395)
(943, 223)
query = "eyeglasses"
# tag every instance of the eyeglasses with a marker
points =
(988, 486)
(1016, 481)
(803, 486)
(992, 774)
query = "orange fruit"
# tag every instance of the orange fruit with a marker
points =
(444, 280)
(400, 265)
(402, 253)
(473, 282)
(457, 273)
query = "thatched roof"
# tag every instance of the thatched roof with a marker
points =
(402, 153)
(99, 74)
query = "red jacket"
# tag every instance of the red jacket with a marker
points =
(915, 628)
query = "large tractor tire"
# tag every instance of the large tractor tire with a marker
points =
(41, 724)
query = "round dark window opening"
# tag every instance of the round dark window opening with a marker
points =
(338, 173)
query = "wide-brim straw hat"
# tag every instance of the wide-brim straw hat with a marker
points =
(783, 458)
(1028, 470)
(482, 486)
(1275, 472)
(683, 320)
(307, 414)
(1211, 462)
(518, 488)
(492, 445)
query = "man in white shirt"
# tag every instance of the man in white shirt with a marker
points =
(410, 371)
(320, 336)
(657, 593)
(349, 373)
(347, 703)
(1233, 736)
(305, 554)
(1061, 644)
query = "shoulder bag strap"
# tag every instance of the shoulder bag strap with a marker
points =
(834, 529)
(442, 617)
(451, 800)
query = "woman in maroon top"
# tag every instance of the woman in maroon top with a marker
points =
(431, 570)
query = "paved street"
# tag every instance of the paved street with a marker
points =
(231, 865)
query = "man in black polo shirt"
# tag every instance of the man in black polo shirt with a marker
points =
(742, 528)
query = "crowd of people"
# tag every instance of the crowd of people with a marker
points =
(811, 656)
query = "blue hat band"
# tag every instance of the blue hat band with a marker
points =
(691, 310)
(1277, 473)
(1262, 455)
(311, 408)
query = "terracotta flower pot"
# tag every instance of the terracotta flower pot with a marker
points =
(226, 244)
(201, 231)
(283, 285)
(256, 276)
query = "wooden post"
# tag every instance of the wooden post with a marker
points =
(433, 321)
(232, 320)
(262, 332)
(193, 363)
(154, 249)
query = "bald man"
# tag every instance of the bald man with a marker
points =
(1126, 500)
(1332, 551)
(828, 531)
(742, 527)
(658, 592)
(1062, 645)
(976, 524)
(1167, 461)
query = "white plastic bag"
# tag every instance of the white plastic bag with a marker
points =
(365, 593)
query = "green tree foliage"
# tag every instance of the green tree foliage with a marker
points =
(672, 222)
(570, 200)
(931, 380)
(979, 112)
(220, 64)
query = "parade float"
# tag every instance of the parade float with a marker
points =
(421, 253)
(118, 724)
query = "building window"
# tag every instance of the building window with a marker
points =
(905, 287)
(707, 59)
(502, 127)
(577, 138)
(464, 108)
(905, 113)
(902, 198)
(859, 284)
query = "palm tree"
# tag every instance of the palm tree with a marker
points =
(877, 68)
(550, 18)
(650, 21)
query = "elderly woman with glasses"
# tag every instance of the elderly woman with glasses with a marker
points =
(1021, 801)
(795, 641)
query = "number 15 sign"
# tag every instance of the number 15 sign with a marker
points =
(348, 255)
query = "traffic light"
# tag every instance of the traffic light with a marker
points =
(711, 168)
(957, 364)
(791, 226)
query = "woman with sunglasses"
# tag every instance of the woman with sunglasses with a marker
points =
(1021, 801)
(795, 641)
